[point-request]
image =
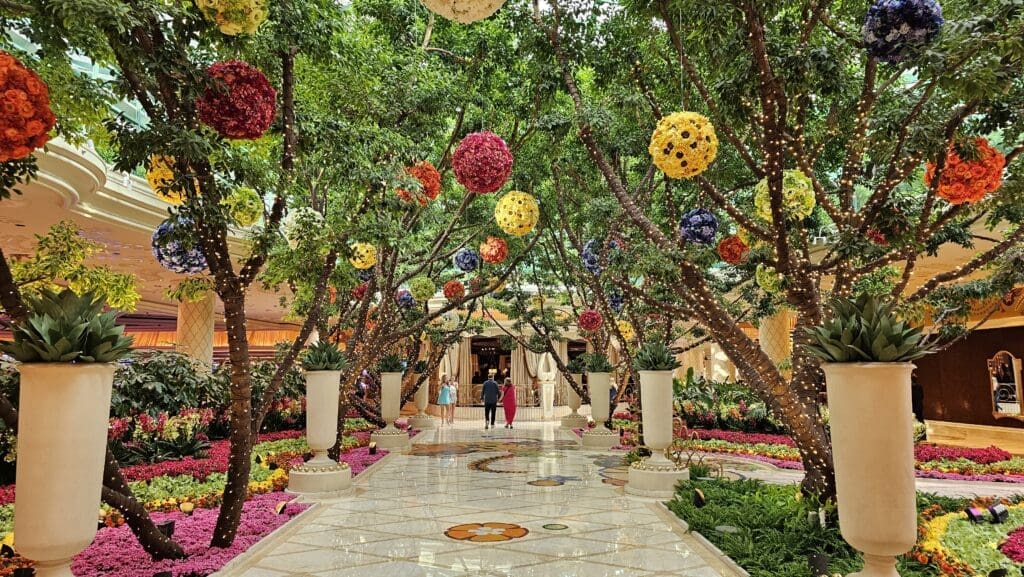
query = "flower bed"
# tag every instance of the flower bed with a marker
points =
(948, 541)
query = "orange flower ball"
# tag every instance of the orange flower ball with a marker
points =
(454, 290)
(969, 180)
(25, 115)
(732, 249)
(494, 250)
(430, 180)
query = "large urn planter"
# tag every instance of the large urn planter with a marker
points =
(600, 437)
(574, 420)
(421, 420)
(871, 420)
(321, 474)
(656, 476)
(62, 437)
(390, 437)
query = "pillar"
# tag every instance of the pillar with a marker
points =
(194, 334)
(775, 336)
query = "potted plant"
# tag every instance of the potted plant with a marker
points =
(598, 382)
(867, 351)
(574, 420)
(421, 420)
(390, 367)
(67, 348)
(322, 365)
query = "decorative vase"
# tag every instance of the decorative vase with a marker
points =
(321, 474)
(547, 371)
(656, 476)
(600, 437)
(390, 437)
(871, 420)
(62, 439)
(421, 420)
(574, 420)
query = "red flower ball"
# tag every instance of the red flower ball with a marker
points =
(454, 290)
(241, 102)
(360, 291)
(494, 250)
(732, 249)
(876, 236)
(969, 180)
(482, 162)
(429, 178)
(590, 320)
(25, 115)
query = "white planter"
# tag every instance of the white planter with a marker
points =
(323, 389)
(600, 437)
(574, 420)
(421, 420)
(574, 398)
(62, 438)
(656, 409)
(390, 437)
(871, 420)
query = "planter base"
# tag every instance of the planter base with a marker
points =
(877, 566)
(54, 569)
(391, 439)
(658, 481)
(600, 438)
(422, 422)
(314, 480)
(574, 421)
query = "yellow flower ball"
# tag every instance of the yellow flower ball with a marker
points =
(797, 196)
(364, 255)
(683, 144)
(234, 17)
(517, 213)
(626, 330)
(161, 176)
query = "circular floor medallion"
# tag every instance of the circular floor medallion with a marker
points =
(545, 483)
(486, 532)
(555, 527)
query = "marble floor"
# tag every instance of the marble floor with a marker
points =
(527, 502)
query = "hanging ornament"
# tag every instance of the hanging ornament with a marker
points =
(245, 206)
(466, 260)
(365, 274)
(301, 224)
(973, 169)
(454, 290)
(463, 11)
(615, 301)
(364, 255)
(422, 288)
(590, 320)
(430, 183)
(797, 196)
(768, 279)
(626, 330)
(683, 144)
(732, 249)
(699, 226)
(494, 250)
(240, 103)
(25, 115)
(234, 17)
(360, 291)
(160, 177)
(895, 29)
(174, 247)
(482, 162)
(517, 213)
(450, 321)
(876, 236)
(404, 299)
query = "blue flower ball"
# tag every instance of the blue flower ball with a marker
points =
(173, 250)
(466, 260)
(615, 301)
(894, 29)
(404, 299)
(364, 274)
(699, 226)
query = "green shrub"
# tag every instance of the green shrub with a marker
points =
(866, 330)
(324, 356)
(156, 381)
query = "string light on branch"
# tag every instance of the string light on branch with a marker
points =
(494, 250)
(683, 144)
(364, 255)
(25, 115)
(240, 103)
(797, 196)
(973, 169)
(482, 162)
(896, 29)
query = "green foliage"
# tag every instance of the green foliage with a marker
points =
(597, 363)
(576, 365)
(65, 328)
(420, 367)
(390, 363)
(655, 356)
(157, 381)
(324, 356)
(14, 173)
(867, 330)
(191, 290)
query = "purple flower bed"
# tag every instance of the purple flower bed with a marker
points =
(992, 454)
(991, 477)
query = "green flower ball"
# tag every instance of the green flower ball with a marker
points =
(768, 279)
(422, 288)
(797, 196)
(244, 205)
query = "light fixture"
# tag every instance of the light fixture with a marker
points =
(975, 515)
(818, 562)
(999, 513)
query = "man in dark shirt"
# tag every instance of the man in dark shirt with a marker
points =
(489, 394)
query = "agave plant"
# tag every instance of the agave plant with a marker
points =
(655, 356)
(867, 330)
(324, 356)
(420, 367)
(576, 365)
(597, 363)
(390, 363)
(64, 328)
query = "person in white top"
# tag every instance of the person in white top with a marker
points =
(453, 396)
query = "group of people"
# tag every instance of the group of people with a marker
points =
(491, 394)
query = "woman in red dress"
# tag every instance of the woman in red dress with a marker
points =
(508, 402)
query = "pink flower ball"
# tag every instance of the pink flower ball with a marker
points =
(240, 103)
(482, 162)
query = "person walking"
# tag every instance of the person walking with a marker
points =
(444, 399)
(453, 395)
(508, 402)
(489, 393)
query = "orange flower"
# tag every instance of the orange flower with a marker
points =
(25, 115)
(965, 181)
(486, 532)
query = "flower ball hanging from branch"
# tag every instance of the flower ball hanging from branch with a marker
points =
(364, 256)
(768, 278)
(494, 250)
(160, 177)
(234, 17)
(699, 226)
(894, 29)
(463, 11)
(422, 288)
(683, 145)
(616, 301)
(517, 213)
(240, 102)
(733, 250)
(430, 183)
(174, 248)
(797, 196)
(590, 320)
(973, 169)
(466, 260)
(626, 330)
(404, 299)
(25, 115)
(301, 224)
(482, 162)
(245, 206)
(359, 291)
(454, 290)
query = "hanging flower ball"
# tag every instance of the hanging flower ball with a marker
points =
(300, 224)
(699, 226)
(768, 278)
(683, 144)
(797, 196)
(482, 162)
(971, 172)
(454, 290)
(422, 288)
(894, 29)
(245, 206)
(25, 115)
(174, 247)
(360, 291)
(463, 11)
(240, 103)
(517, 213)
(876, 236)
(430, 181)
(365, 274)
(626, 330)
(364, 255)
(160, 177)
(732, 249)
(234, 17)
(466, 260)
(615, 301)
(404, 299)
(494, 250)
(590, 320)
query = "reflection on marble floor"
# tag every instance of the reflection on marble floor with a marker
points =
(527, 502)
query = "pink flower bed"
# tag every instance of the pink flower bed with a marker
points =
(1013, 545)
(116, 552)
(992, 454)
(741, 437)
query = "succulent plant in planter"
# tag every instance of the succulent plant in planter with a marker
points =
(597, 363)
(64, 328)
(867, 330)
(577, 365)
(420, 367)
(324, 356)
(391, 363)
(655, 356)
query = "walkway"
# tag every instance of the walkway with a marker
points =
(526, 503)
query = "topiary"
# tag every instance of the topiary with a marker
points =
(324, 356)
(867, 330)
(655, 356)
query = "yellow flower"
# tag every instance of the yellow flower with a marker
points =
(364, 255)
(517, 213)
(683, 144)
(161, 177)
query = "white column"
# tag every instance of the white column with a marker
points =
(194, 334)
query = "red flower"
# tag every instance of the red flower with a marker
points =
(590, 320)
(240, 104)
(966, 181)
(482, 162)
(494, 250)
(876, 236)
(360, 291)
(25, 115)
(732, 249)
(454, 290)
(429, 178)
